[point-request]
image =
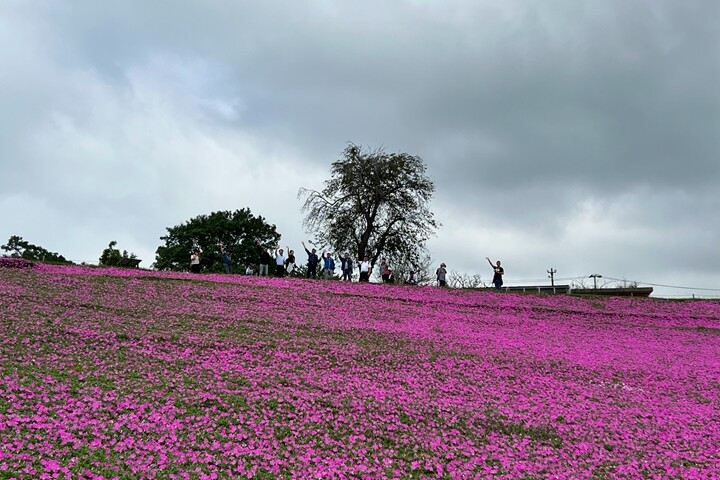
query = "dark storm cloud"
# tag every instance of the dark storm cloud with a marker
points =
(604, 96)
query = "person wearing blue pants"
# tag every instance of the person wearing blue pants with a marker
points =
(346, 266)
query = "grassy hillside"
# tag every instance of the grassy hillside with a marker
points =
(131, 374)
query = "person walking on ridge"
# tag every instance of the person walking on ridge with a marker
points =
(440, 274)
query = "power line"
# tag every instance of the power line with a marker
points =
(582, 277)
(701, 297)
(661, 285)
(533, 280)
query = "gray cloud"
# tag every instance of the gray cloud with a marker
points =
(589, 125)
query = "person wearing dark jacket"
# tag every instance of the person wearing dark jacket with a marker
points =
(385, 271)
(313, 261)
(290, 261)
(498, 273)
(346, 265)
(226, 260)
(440, 274)
(265, 259)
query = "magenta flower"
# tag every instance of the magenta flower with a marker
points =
(110, 373)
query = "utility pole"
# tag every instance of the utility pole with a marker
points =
(595, 276)
(552, 273)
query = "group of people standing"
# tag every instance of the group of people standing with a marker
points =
(323, 265)
(328, 265)
(285, 265)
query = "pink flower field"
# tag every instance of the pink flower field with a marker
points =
(143, 375)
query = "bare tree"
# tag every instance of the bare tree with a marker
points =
(375, 204)
(418, 261)
(465, 280)
(585, 283)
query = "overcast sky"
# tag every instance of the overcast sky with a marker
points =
(582, 135)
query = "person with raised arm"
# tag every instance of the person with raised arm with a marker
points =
(498, 273)
(312, 263)
(279, 262)
(290, 261)
(346, 265)
(226, 259)
(328, 266)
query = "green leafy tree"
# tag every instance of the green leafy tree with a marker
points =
(234, 232)
(375, 204)
(111, 256)
(19, 248)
